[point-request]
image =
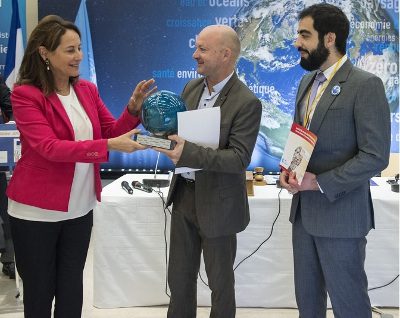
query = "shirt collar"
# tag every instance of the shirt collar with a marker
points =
(329, 70)
(216, 89)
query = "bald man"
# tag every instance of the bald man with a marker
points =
(210, 206)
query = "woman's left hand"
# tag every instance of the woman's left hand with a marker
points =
(142, 90)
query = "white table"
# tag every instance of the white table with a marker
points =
(129, 250)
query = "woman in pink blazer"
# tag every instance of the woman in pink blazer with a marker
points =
(66, 131)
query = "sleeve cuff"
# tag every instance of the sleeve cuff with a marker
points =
(320, 189)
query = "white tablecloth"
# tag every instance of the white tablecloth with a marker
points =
(129, 250)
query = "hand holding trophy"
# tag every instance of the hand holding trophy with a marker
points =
(159, 117)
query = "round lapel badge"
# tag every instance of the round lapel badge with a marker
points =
(335, 90)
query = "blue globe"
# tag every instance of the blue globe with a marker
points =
(159, 112)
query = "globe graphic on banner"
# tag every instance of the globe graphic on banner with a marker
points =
(159, 112)
(269, 63)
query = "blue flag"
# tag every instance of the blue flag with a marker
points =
(15, 50)
(87, 69)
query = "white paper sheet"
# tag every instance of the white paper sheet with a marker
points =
(200, 126)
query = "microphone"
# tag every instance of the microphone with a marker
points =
(125, 185)
(141, 186)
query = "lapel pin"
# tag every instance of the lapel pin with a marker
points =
(335, 90)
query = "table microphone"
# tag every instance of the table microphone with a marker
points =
(125, 185)
(394, 184)
(159, 183)
(141, 186)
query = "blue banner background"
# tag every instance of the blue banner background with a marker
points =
(134, 40)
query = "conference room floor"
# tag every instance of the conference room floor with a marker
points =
(10, 307)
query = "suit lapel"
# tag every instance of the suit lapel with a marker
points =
(196, 97)
(84, 95)
(221, 97)
(303, 89)
(327, 97)
(59, 108)
(225, 90)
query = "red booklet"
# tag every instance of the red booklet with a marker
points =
(298, 150)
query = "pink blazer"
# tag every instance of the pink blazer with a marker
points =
(43, 176)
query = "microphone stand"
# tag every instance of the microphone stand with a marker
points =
(157, 183)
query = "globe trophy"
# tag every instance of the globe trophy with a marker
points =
(159, 117)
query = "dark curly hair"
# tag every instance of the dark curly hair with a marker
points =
(328, 18)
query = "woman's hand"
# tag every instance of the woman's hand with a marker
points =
(142, 90)
(125, 143)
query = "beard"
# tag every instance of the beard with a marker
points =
(315, 58)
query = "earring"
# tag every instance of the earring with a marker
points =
(47, 62)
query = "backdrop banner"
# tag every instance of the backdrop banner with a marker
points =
(134, 40)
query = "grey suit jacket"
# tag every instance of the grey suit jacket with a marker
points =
(353, 130)
(220, 188)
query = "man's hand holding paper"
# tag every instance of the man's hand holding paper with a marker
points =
(191, 127)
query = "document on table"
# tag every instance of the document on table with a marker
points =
(200, 126)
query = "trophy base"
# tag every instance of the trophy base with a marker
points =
(260, 183)
(155, 141)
